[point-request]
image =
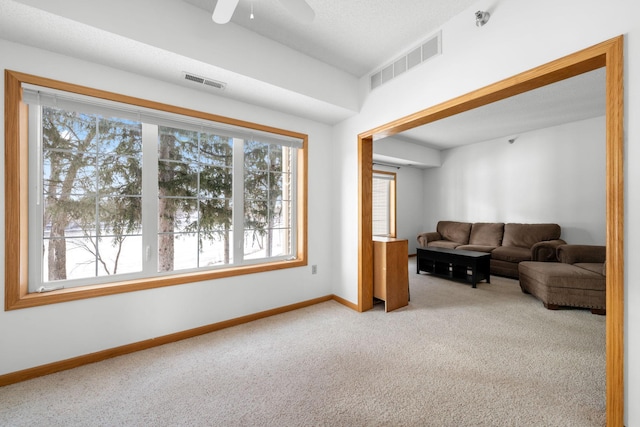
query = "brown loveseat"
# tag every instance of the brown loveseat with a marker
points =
(509, 244)
(577, 280)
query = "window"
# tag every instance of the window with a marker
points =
(384, 204)
(125, 194)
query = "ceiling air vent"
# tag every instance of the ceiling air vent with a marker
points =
(204, 81)
(426, 50)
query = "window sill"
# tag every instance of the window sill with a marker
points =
(27, 300)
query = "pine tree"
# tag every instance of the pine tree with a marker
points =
(264, 184)
(195, 190)
(92, 180)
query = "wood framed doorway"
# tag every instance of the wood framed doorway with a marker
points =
(607, 54)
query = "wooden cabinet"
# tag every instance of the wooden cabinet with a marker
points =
(390, 271)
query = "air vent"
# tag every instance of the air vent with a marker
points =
(204, 81)
(427, 50)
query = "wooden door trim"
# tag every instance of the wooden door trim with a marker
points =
(607, 54)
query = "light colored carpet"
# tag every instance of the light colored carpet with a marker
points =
(456, 356)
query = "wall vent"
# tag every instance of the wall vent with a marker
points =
(204, 81)
(426, 50)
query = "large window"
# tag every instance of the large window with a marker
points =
(384, 204)
(127, 194)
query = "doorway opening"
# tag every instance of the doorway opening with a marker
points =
(608, 54)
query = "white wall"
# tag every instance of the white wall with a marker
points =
(555, 175)
(520, 35)
(405, 153)
(36, 336)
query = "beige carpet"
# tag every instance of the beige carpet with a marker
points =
(456, 356)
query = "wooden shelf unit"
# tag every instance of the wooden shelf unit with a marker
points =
(390, 271)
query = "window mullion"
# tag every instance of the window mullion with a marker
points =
(150, 198)
(98, 228)
(293, 199)
(238, 200)
(36, 200)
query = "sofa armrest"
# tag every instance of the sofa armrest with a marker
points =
(571, 254)
(546, 251)
(425, 238)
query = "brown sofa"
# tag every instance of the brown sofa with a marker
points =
(578, 279)
(509, 244)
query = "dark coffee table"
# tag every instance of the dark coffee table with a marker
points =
(468, 266)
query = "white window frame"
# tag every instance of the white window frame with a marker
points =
(389, 208)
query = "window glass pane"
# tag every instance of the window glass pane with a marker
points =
(120, 254)
(120, 136)
(256, 214)
(267, 207)
(177, 215)
(255, 244)
(215, 215)
(275, 157)
(177, 179)
(264, 185)
(216, 182)
(216, 249)
(266, 243)
(69, 258)
(216, 150)
(194, 250)
(195, 196)
(185, 250)
(281, 213)
(380, 207)
(279, 241)
(177, 144)
(120, 216)
(84, 234)
(119, 175)
(68, 130)
(256, 155)
(56, 165)
(382, 204)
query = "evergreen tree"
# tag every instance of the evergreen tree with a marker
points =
(195, 190)
(92, 180)
(92, 176)
(216, 187)
(264, 183)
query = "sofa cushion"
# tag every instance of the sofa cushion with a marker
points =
(511, 254)
(486, 234)
(443, 244)
(477, 248)
(454, 231)
(526, 235)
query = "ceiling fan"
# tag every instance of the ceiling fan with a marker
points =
(298, 8)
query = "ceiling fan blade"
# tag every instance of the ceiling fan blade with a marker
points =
(299, 9)
(224, 10)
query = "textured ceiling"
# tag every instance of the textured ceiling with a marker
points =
(356, 36)
(578, 98)
(359, 36)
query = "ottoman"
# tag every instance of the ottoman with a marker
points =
(568, 283)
